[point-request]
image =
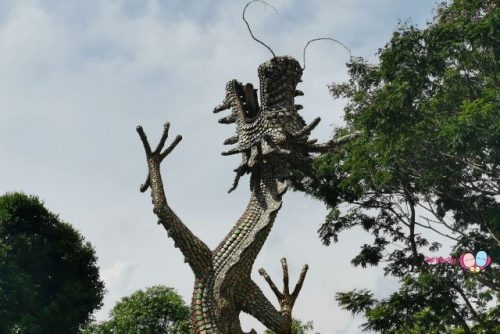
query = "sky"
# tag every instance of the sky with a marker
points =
(77, 77)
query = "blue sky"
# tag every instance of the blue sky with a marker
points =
(77, 77)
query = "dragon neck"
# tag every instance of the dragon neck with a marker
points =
(233, 258)
(249, 233)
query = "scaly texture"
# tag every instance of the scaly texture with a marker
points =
(273, 141)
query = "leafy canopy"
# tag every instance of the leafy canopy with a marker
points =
(297, 327)
(49, 280)
(156, 310)
(424, 168)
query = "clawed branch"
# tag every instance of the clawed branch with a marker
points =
(196, 252)
(285, 299)
(156, 155)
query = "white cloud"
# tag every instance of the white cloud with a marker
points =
(117, 275)
(77, 77)
(117, 282)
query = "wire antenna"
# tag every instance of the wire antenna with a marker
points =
(320, 39)
(248, 25)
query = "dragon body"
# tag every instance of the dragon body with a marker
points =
(273, 141)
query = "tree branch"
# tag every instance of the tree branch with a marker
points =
(466, 300)
(433, 229)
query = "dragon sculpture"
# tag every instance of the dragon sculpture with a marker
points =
(273, 141)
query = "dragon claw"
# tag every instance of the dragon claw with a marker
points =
(156, 155)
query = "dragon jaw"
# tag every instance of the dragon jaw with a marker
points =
(273, 132)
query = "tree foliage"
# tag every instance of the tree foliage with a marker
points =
(49, 281)
(424, 168)
(156, 310)
(297, 327)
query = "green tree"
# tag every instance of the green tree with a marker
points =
(424, 167)
(297, 327)
(156, 310)
(49, 281)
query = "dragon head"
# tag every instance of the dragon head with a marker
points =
(271, 133)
